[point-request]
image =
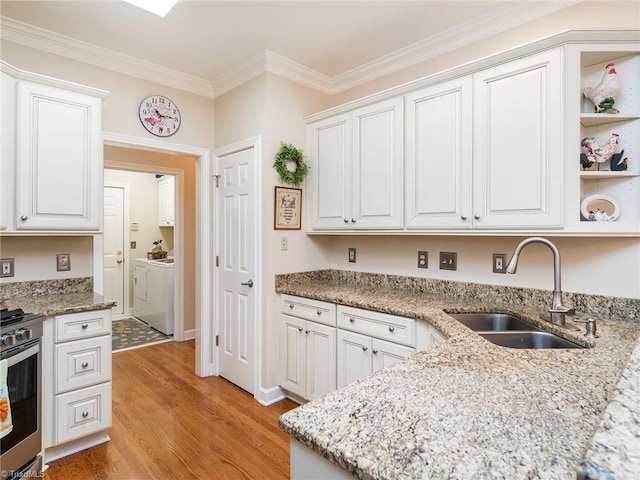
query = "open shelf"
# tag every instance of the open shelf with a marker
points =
(589, 174)
(595, 119)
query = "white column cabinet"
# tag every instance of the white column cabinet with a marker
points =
(7, 150)
(307, 348)
(356, 174)
(517, 146)
(140, 287)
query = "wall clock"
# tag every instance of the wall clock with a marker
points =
(159, 115)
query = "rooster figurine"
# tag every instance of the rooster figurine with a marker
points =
(604, 95)
(593, 152)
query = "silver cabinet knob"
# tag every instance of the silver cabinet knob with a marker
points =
(463, 217)
(353, 220)
(85, 414)
(85, 364)
(365, 348)
(84, 326)
(476, 216)
(346, 220)
(291, 306)
(23, 217)
(307, 332)
(392, 328)
(352, 320)
(374, 351)
(248, 283)
(319, 312)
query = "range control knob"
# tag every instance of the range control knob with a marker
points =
(8, 340)
(24, 334)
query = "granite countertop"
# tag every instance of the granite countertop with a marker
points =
(53, 297)
(469, 409)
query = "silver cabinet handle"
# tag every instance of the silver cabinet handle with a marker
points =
(392, 329)
(476, 216)
(346, 220)
(248, 283)
(291, 306)
(352, 320)
(375, 351)
(319, 312)
(307, 332)
(463, 217)
(300, 329)
(85, 414)
(84, 326)
(23, 217)
(85, 364)
(353, 220)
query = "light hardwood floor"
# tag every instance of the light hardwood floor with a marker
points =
(169, 423)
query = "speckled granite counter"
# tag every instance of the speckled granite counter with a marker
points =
(468, 409)
(53, 297)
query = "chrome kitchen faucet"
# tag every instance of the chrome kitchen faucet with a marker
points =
(557, 310)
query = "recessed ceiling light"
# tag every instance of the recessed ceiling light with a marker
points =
(159, 7)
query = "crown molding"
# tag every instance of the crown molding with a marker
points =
(505, 18)
(497, 21)
(24, 34)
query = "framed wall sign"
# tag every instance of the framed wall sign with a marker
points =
(288, 209)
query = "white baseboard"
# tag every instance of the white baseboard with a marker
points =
(268, 396)
(59, 451)
(190, 334)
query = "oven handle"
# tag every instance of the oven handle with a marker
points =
(24, 354)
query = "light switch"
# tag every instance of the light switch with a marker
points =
(134, 226)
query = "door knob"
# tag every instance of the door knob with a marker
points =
(119, 261)
(248, 283)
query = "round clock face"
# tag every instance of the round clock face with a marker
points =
(159, 115)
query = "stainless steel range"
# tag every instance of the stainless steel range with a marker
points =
(20, 346)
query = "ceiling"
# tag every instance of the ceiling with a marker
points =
(209, 41)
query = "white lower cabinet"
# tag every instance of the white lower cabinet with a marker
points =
(76, 382)
(307, 348)
(324, 346)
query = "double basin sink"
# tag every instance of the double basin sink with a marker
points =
(509, 331)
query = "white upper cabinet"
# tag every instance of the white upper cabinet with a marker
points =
(59, 159)
(356, 173)
(166, 201)
(438, 156)
(329, 149)
(7, 150)
(517, 147)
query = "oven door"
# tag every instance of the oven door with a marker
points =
(24, 442)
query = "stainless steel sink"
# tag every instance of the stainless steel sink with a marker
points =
(509, 331)
(535, 340)
(492, 322)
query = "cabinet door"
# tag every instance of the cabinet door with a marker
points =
(59, 159)
(384, 354)
(166, 201)
(293, 355)
(354, 357)
(329, 150)
(321, 360)
(7, 151)
(377, 166)
(438, 136)
(517, 154)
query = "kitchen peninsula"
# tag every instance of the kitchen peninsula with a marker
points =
(467, 408)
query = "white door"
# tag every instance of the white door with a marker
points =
(114, 266)
(385, 354)
(321, 359)
(354, 357)
(236, 306)
(293, 363)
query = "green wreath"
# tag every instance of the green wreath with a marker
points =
(287, 154)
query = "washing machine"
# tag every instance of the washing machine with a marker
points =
(153, 293)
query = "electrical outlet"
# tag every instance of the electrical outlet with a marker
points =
(352, 255)
(7, 267)
(499, 263)
(423, 259)
(284, 242)
(448, 261)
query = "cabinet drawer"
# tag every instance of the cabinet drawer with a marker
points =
(82, 412)
(314, 310)
(379, 325)
(83, 325)
(82, 363)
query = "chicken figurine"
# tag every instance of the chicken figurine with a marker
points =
(604, 95)
(595, 153)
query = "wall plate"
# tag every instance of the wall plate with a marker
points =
(63, 262)
(7, 267)
(352, 255)
(448, 261)
(499, 263)
(423, 259)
